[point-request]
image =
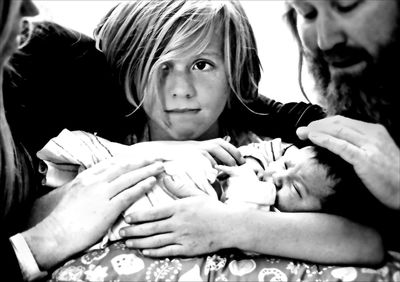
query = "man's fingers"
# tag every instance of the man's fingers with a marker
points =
(356, 125)
(341, 128)
(152, 214)
(131, 178)
(344, 149)
(128, 196)
(170, 250)
(156, 241)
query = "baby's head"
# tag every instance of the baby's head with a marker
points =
(313, 179)
(182, 60)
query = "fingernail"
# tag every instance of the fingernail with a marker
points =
(227, 138)
(122, 233)
(301, 132)
(145, 252)
(128, 219)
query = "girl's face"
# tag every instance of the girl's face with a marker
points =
(193, 91)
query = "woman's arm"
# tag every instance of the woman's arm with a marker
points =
(91, 203)
(199, 225)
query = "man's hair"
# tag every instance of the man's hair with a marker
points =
(137, 37)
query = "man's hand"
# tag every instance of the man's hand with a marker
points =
(368, 147)
(188, 227)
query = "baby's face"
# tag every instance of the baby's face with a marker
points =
(301, 182)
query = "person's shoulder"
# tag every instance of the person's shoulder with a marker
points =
(48, 30)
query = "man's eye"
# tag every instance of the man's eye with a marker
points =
(202, 65)
(345, 6)
(308, 13)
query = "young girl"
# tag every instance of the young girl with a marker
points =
(183, 64)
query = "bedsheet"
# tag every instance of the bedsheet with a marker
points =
(119, 263)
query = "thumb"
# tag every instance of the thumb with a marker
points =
(302, 132)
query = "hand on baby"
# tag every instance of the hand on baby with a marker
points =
(368, 147)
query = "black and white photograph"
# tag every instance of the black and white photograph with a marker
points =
(199, 140)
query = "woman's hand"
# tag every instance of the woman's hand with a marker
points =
(188, 227)
(368, 147)
(90, 204)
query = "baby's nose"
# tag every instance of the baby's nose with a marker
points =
(278, 181)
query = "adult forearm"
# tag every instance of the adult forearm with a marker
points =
(43, 206)
(315, 237)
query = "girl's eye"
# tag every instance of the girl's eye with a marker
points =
(202, 65)
(164, 67)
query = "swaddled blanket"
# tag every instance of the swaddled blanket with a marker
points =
(71, 152)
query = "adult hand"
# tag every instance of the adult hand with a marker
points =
(368, 147)
(188, 227)
(91, 203)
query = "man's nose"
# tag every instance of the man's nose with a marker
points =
(330, 31)
(181, 84)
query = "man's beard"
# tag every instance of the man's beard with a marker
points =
(370, 96)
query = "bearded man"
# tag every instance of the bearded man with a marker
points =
(352, 50)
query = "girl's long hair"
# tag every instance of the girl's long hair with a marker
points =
(13, 168)
(138, 36)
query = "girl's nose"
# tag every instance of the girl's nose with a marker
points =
(181, 85)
